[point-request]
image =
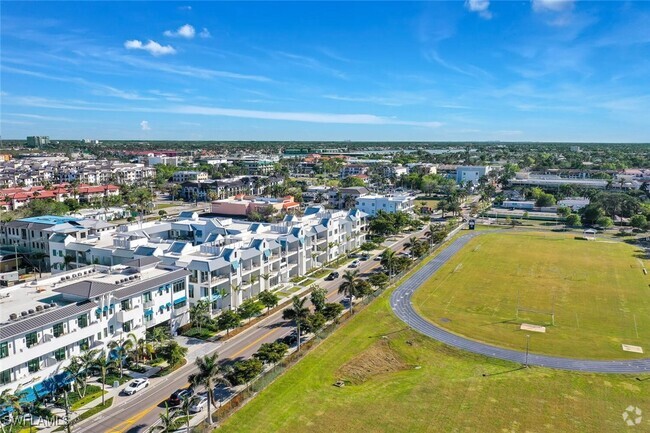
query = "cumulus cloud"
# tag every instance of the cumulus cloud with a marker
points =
(205, 33)
(152, 47)
(187, 31)
(552, 5)
(145, 125)
(481, 7)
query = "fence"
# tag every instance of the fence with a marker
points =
(269, 375)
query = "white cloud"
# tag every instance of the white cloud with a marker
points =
(145, 125)
(481, 7)
(152, 47)
(187, 31)
(205, 33)
(552, 5)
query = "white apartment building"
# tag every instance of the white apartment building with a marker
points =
(46, 323)
(470, 173)
(189, 176)
(371, 204)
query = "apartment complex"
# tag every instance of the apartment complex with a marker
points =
(242, 205)
(45, 324)
(372, 204)
(189, 176)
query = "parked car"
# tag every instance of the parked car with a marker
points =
(332, 276)
(199, 402)
(135, 386)
(289, 340)
(354, 264)
(177, 397)
(365, 257)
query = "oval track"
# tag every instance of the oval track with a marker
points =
(401, 305)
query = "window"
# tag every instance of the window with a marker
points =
(204, 291)
(31, 339)
(4, 350)
(105, 332)
(126, 305)
(83, 344)
(82, 321)
(178, 286)
(191, 291)
(127, 326)
(34, 365)
(111, 329)
(59, 354)
(146, 297)
(5, 377)
(58, 329)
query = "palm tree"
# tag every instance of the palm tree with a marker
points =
(78, 375)
(143, 349)
(266, 278)
(199, 313)
(104, 362)
(39, 256)
(298, 312)
(67, 260)
(122, 347)
(388, 258)
(350, 286)
(167, 421)
(412, 245)
(208, 376)
(159, 335)
(186, 403)
(9, 400)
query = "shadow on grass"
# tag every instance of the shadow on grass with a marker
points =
(523, 367)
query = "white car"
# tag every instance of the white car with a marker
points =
(135, 386)
(354, 264)
(199, 402)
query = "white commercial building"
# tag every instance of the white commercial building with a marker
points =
(470, 173)
(371, 204)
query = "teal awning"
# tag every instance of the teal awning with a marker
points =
(148, 312)
(169, 304)
(179, 300)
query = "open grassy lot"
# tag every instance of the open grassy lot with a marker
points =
(400, 381)
(597, 289)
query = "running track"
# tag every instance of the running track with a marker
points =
(400, 302)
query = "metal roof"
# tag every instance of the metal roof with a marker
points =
(141, 262)
(87, 289)
(40, 320)
(150, 284)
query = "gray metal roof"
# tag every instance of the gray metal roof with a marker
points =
(142, 262)
(150, 284)
(40, 320)
(87, 289)
(249, 253)
(208, 265)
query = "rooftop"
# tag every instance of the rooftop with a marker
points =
(49, 219)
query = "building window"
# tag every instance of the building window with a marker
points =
(82, 321)
(179, 286)
(111, 329)
(31, 339)
(59, 354)
(180, 305)
(83, 344)
(34, 365)
(146, 297)
(4, 350)
(126, 305)
(126, 327)
(58, 329)
(5, 377)
(191, 291)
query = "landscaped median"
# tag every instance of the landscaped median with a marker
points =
(88, 413)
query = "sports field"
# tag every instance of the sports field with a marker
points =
(595, 292)
(400, 381)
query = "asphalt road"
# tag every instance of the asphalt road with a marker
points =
(135, 414)
(402, 306)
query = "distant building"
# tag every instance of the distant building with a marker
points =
(575, 203)
(353, 170)
(345, 198)
(469, 173)
(241, 205)
(38, 140)
(255, 166)
(189, 176)
(519, 204)
(526, 179)
(371, 204)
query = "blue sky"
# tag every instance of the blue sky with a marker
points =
(541, 70)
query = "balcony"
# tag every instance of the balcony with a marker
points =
(124, 316)
(43, 348)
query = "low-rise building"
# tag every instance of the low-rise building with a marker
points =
(242, 205)
(470, 173)
(372, 204)
(345, 198)
(189, 176)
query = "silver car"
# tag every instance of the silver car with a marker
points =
(198, 403)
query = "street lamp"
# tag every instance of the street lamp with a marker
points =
(527, 347)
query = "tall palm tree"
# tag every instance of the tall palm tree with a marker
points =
(40, 256)
(78, 375)
(104, 362)
(67, 260)
(266, 278)
(199, 313)
(350, 286)
(297, 313)
(143, 349)
(412, 245)
(208, 376)
(167, 421)
(388, 258)
(159, 335)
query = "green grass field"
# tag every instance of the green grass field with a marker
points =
(401, 382)
(599, 293)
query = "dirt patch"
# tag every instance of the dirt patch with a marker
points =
(379, 358)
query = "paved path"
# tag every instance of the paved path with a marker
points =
(401, 304)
